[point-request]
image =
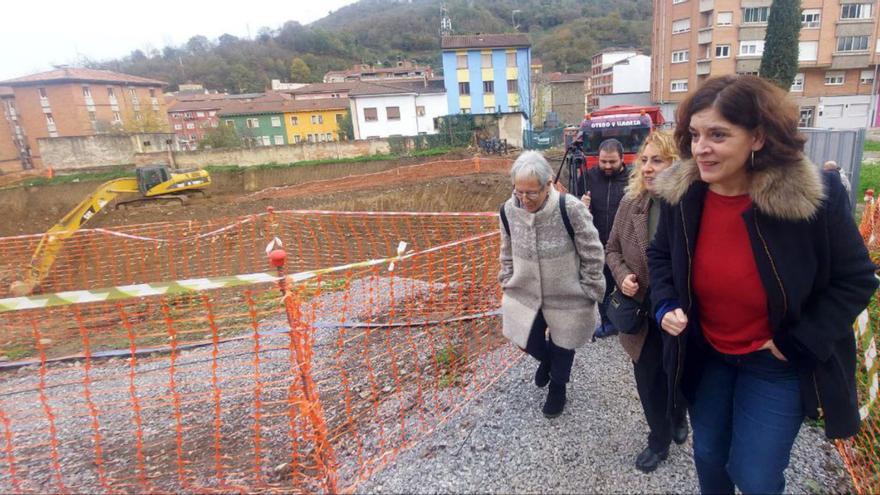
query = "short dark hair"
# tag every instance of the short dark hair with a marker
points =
(751, 103)
(610, 145)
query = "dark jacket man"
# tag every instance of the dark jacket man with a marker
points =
(606, 191)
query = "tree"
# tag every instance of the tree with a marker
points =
(779, 64)
(299, 70)
(346, 127)
(145, 121)
(222, 136)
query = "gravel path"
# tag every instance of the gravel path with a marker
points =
(501, 443)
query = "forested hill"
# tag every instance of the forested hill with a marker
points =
(564, 33)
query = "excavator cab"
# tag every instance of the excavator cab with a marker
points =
(151, 176)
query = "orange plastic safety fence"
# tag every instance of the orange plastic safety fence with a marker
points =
(275, 386)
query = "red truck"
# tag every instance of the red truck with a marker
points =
(628, 124)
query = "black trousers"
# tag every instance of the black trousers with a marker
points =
(651, 383)
(542, 348)
(609, 288)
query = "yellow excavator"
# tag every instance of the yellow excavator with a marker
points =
(152, 182)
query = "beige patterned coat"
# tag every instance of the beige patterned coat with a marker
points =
(540, 269)
(625, 253)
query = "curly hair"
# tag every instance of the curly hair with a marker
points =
(666, 146)
(753, 104)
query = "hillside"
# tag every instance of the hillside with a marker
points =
(565, 33)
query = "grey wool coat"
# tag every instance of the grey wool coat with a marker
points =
(540, 269)
(626, 253)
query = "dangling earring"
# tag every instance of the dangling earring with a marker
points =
(753, 160)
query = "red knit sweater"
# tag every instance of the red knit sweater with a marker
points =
(730, 297)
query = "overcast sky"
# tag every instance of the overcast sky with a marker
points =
(37, 34)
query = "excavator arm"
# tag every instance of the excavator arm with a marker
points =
(50, 244)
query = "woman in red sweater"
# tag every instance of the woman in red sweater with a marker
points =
(757, 273)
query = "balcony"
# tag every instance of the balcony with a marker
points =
(113, 100)
(52, 128)
(44, 102)
(749, 65)
(845, 60)
(704, 35)
(854, 27)
(707, 5)
(704, 67)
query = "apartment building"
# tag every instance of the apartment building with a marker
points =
(397, 108)
(487, 73)
(618, 71)
(192, 119)
(14, 153)
(402, 71)
(81, 102)
(697, 39)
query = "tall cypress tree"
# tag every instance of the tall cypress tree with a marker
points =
(779, 64)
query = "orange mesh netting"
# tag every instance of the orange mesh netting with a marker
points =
(252, 382)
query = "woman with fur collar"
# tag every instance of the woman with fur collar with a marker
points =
(550, 281)
(757, 274)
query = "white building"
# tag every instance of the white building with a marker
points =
(380, 110)
(619, 71)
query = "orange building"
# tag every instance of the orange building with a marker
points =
(837, 53)
(83, 102)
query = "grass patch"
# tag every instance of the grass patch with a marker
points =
(871, 145)
(19, 351)
(869, 178)
(103, 175)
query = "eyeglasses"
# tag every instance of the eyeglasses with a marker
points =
(531, 195)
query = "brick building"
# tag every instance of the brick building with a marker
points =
(837, 53)
(191, 119)
(13, 150)
(615, 71)
(84, 102)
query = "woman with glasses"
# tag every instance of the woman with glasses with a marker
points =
(550, 279)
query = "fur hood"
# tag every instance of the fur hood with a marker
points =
(793, 192)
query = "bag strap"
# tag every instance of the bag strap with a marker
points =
(504, 219)
(564, 212)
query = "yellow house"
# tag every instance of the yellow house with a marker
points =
(314, 120)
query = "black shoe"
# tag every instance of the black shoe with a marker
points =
(555, 400)
(647, 460)
(680, 430)
(542, 374)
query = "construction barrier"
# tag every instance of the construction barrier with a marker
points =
(374, 330)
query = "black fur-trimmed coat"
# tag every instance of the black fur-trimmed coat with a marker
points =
(812, 262)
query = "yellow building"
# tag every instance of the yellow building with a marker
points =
(314, 120)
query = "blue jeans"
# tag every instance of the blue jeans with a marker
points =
(746, 414)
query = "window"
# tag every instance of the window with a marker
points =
(296, 139)
(317, 119)
(724, 19)
(722, 51)
(190, 125)
(488, 87)
(834, 78)
(50, 119)
(852, 43)
(393, 113)
(808, 51)
(310, 138)
(678, 85)
(806, 117)
(152, 93)
(371, 115)
(43, 93)
(279, 139)
(514, 108)
(486, 60)
(178, 127)
(866, 77)
(511, 59)
(276, 121)
(752, 15)
(680, 56)
(678, 1)
(810, 18)
(212, 113)
(797, 85)
(229, 123)
(464, 88)
(751, 48)
(253, 123)
(855, 11)
(465, 110)
(265, 140)
(92, 117)
(329, 137)
(338, 118)
(294, 120)
(461, 61)
(200, 114)
(110, 93)
(512, 86)
(420, 111)
(681, 26)
(87, 93)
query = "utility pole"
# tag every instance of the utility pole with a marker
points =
(513, 19)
